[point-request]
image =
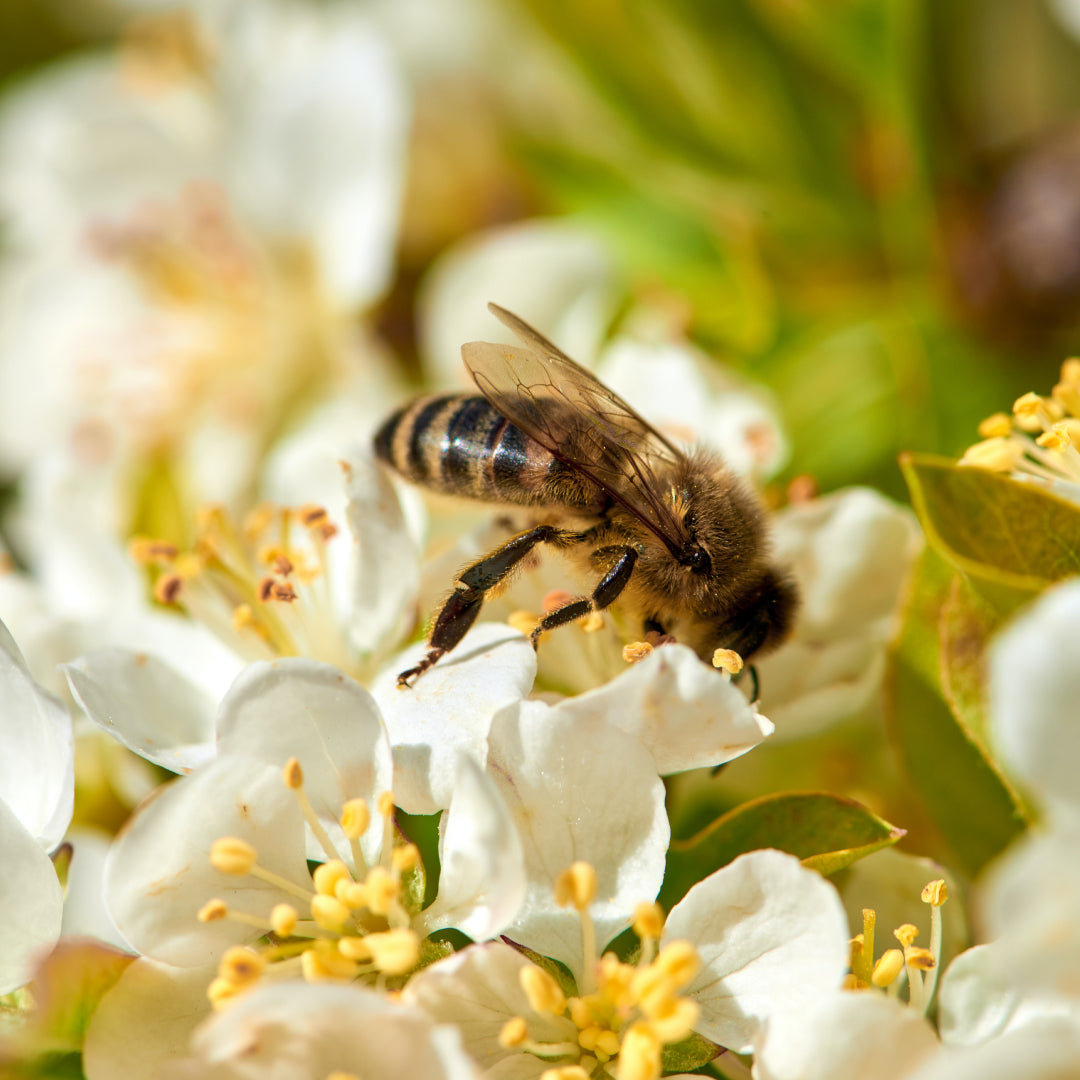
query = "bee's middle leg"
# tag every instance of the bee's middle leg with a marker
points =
(463, 605)
(611, 585)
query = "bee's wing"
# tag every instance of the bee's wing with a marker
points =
(578, 419)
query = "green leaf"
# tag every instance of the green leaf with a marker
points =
(828, 832)
(690, 1054)
(968, 798)
(1001, 531)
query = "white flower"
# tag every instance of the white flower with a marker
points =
(36, 793)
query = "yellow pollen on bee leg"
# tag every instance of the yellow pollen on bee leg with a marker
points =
(636, 651)
(727, 660)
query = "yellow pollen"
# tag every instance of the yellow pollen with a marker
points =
(921, 959)
(727, 660)
(293, 774)
(385, 804)
(351, 893)
(635, 651)
(283, 565)
(242, 617)
(543, 992)
(1067, 395)
(593, 622)
(221, 991)
(167, 588)
(355, 818)
(406, 858)
(580, 1012)
(283, 919)
(997, 455)
(888, 966)
(231, 855)
(1070, 370)
(311, 515)
(514, 1033)
(675, 1020)
(395, 952)
(1057, 437)
(381, 891)
(283, 592)
(639, 1056)
(565, 1072)
(188, 565)
(679, 960)
(997, 426)
(906, 934)
(148, 552)
(576, 886)
(648, 920)
(327, 876)
(241, 965)
(1027, 405)
(935, 893)
(329, 912)
(265, 589)
(337, 1074)
(323, 963)
(355, 948)
(524, 622)
(212, 911)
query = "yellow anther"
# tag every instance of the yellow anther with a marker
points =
(243, 617)
(1057, 437)
(675, 1020)
(355, 818)
(589, 1037)
(592, 623)
(906, 934)
(852, 982)
(514, 1033)
(1067, 395)
(385, 804)
(543, 993)
(323, 963)
(282, 591)
(636, 651)
(351, 893)
(639, 1056)
(327, 876)
(329, 912)
(212, 911)
(240, 965)
(221, 991)
(580, 1012)
(997, 426)
(259, 520)
(1027, 405)
(888, 966)
(167, 588)
(648, 920)
(565, 1072)
(920, 958)
(394, 952)
(337, 1074)
(406, 858)
(283, 565)
(311, 515)
(188, 565)
(576, 886)
(147, 552)
(231, 855)
(606, 1045)
(524, 622)
(679, 960)
(1070, 370)
(283, 919)
(996, 455)
(381, 890)
(727, 660)
(935, 893)
(293, 774)
(355, 948)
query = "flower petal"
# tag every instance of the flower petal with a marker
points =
(450, 709)
(158, 873)
(686, 714)
(37, 771)
(150, 708)
(30, 902)
(579, 790)
(85, 913)
(773, 937)
(482, 880)
(300, 708)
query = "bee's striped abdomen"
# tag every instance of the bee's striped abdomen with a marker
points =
(460, 445)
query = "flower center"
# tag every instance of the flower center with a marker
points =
(358, 920)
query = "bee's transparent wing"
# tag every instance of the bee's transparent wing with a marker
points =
(578, 419)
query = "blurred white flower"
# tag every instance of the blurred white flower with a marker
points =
(36, 793)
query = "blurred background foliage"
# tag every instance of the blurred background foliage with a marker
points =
(871, 206)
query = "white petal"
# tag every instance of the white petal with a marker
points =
(37, 772)
(386, 563)
(145, 1021)
(158, 873)
(315, 142)
(148, 706)
(85, 913)
(773, 937)
(578, 789)
(1034, 687)
(478, 990)
(482, 880)
(686, 714)
(30, 902)
(305, 1031)
(556, 277)
(300, 708)
(844, 1036)
(450, 709)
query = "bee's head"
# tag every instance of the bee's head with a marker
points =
(761, 617)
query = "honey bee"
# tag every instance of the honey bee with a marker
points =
(678, 540)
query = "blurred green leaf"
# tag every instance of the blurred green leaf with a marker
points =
(968, 798)
(1003, 531)
(689, 1054)
(826, 831)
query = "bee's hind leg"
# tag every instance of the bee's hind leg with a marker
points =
(611, 585)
